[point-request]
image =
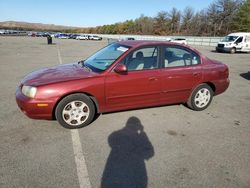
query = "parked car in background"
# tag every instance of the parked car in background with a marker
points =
(62, 36)
(39, 34)
(94, 37)
(178, 40)
(126, 38)
(82, 37)
(36, 34)
(73, 36)
(31, 34)
(123, 75)
(46, 34)
(234, 42)
(52, 34)
(129, 38)
(56, 35)
(112, 40)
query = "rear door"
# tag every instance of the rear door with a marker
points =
(181, 72)
(141, 86)
(247, 43)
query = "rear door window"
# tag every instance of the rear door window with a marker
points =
(176, 57)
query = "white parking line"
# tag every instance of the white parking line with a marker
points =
(81, 167)
(59, 54)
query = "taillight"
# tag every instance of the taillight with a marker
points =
(225, 72)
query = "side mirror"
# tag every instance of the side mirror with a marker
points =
(121, 69)
(81, 61)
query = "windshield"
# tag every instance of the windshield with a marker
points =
(102, 59)
(229, 38)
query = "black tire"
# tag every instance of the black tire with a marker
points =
(65, 111)
(195, 103)
(233, 50)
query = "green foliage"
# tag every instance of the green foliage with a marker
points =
(241, 22)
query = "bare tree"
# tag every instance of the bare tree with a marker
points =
(213, 18)
(187, 15)
(221, 14)
(145, 25)
(161, 23)
(174, 20)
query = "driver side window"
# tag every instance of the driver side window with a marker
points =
(141, 59)
(239, 40)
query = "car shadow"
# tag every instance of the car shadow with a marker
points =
(246, 75)
(125, 166)
(96, 117)
(214, 51)
(46, 44)
(142, 108)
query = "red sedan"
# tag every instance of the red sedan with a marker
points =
(123, 75)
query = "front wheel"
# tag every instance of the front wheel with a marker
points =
(233, 50)
(75, 111)
(201, 97)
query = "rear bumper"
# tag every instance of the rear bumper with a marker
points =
(221, 86)
(31, 108)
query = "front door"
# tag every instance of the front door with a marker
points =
(140, 87)
(239, 43)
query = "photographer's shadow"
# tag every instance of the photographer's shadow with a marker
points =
(125, 166)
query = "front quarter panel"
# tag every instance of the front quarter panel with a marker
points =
(55, 92)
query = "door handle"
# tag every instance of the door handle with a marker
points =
(153, 79)
(196, 74)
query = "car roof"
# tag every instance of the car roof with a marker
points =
(138, 43)
(239, 34)
(135, 43)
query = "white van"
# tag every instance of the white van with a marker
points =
(234, 42)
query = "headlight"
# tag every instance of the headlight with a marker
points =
(29, 91)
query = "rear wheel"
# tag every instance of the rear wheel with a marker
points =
(200, 98)
(75, 111)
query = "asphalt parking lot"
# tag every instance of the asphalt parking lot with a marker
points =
(185, 148)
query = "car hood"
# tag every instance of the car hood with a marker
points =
(224, 42)
(56, 74)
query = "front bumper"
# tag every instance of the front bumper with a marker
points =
(31, 108)
(223, 49)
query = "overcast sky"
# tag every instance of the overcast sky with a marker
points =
(88, 12)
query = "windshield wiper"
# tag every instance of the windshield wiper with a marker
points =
(85, 66)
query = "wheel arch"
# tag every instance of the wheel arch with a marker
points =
(210, 84)
(189, 101)
(92, 98)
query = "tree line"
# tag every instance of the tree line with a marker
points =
(219, 18)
